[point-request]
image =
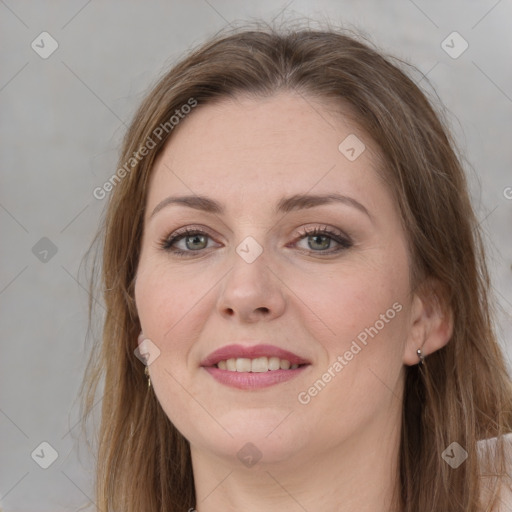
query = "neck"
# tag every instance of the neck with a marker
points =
(359, 474)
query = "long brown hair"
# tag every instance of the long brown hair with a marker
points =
(462, 393)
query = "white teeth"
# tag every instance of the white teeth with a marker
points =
(274, 363)
(260, 364)
(256, 365)
(243, 364)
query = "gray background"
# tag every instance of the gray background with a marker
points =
(61, 125)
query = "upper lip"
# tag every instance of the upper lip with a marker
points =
(251, 352)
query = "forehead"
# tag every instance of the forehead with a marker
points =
(263, 147)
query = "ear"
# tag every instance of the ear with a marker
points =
(431, 322)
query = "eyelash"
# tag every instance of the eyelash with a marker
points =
(344, 242)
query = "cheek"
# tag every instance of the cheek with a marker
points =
(363, 313)
(364, 297)
(170, 306)
(174, 303)
(165, 299)
(367, 310)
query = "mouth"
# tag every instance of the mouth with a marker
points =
(253, 367)
(256, 365)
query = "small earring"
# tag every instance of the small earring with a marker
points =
(420, 356)
(146, 372)
(145, 356)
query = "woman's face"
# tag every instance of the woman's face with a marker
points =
(273, 273)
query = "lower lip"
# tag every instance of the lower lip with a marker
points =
(253, 380)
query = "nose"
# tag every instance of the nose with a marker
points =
(251, 292)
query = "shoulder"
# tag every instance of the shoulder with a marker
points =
(486, 450)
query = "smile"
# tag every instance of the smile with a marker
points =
(253, 367)
(257, 365)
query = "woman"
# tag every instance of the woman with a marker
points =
(290, 250)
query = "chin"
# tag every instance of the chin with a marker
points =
(260, 437)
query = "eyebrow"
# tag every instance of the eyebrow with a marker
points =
(285, 205)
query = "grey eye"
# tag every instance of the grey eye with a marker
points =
(196, 242)
(320, 242)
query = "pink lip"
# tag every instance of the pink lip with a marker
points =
(250, 380)
(236, 351)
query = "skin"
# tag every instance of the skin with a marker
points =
(339, 451)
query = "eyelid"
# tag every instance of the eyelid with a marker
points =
(306, 230)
